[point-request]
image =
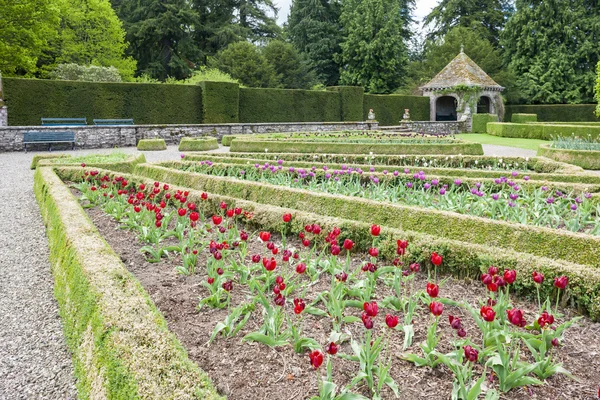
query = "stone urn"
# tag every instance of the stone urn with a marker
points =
(406, 115)
(371, 115)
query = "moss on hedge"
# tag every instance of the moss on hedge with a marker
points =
(523, 118)
(198, 144)
(544, 242)
(480, 122)
(122, 348)
(587, 159)
(461, 259)
(151, 144)
(454, 147)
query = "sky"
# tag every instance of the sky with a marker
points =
(422, 9)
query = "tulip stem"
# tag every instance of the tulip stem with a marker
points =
(557, 298)
(537, 287)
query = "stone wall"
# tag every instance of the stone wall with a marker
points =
(437, 128)
(94, 137)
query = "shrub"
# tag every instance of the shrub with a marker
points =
(541, 131)
(480, 122)
(587, 159)
(151, 144)
(91, 73)
(198, 144)
(523, 118)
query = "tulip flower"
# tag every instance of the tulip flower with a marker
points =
(436, 259)
(375, 230)
(316, 229)
(432, 289)
(487, 279)
(515, 317)
(391, 321)
(487, 313)
(269, 265)
(537, 277)
(555, 343)
(279, 300)
(243, 236)
(137, 209)
(332, 348)
(455, 322)
(299, 306)
(316, 358)
(229, 213)
(471, 354)
(367, 321)
(301, 268)
(348, 244)
(223, 205)
(217, 219)
(210, 280)
(181, 212)
(492, 270)
(264, 236)
(561, 282)
(545, 319)
(371, 308)
(436, 308)
(287, 218)
(335, 250)
(256, 258)
(342, 276)
(510, 276)
(373, 252)
(228, 285)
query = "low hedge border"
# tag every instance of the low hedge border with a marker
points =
(464, 260)
(226, 140)
(151, 144)
(543, 242)
(523, 118)
(198, 144)
(587, 159)
(259, 146)
(541, 131)
(42, 157)
(577, 179)
(480, 122)
(122, 348)
(122, 166)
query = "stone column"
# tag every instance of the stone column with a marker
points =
(3, 108)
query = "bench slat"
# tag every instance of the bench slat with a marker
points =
(64, 121)
(113, 121)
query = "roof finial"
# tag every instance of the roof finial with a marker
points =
(462, 48)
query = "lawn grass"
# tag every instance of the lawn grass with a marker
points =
(529, 144)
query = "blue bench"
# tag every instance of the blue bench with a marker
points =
(34, 137)
(113, 122)
(64, 121)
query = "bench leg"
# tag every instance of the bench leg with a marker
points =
(49, 147)
(25, 147)
(73, 146)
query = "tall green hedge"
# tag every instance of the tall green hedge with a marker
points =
(598, 92)
(555, 112)
(541, 131)
(221, 102)
(480, 122)
(523, 118)
(351, 102)
(285, 105)
(390, 108)
(30, 99)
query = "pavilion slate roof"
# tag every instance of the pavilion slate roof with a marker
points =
(462, 71)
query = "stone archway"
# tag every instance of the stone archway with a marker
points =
(446, 108)
(484, 105)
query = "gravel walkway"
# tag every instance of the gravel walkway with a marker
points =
(505, 151)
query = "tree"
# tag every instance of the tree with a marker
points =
(161, 37)
(373, 54)
(485, 16)
(26, 27)
(244, 62)
(254, 19)
(315, 29)
(74, 72)
(553, 48)
(292, 69)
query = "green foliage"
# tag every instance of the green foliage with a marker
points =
(220, 102)
(244, 62)
(598, 92)
(198, 144)
(27, 26)
(279, 105)
(151, 144)
(74, 72)
(205, 74)
(389, 109)
(352, 99)
(480, 122)
(484, 17)
(373, 53)
(291, 68)
(552, 48)
(523, 118)
(542, 131)
(587, 159)
(31, 100)
(555, 113)
(314, 28)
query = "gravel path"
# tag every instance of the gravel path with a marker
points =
(505, 151)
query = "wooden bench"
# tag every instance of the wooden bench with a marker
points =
(64, 121)
(113, 122)
(34, 137)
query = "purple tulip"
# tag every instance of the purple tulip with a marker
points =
(457, 182)
(327, 175)
(587, 195)
(574, 207)
(406, 171)
(280, 162)
(442, 191)
(514, 196)
(511, 204)
(550, 200)
(495, 196)
(426, 186)
(526, 177)
(515, 174)
(409, 185)
(395, 173)
(544, 188)
(434, 182)
(578, 200)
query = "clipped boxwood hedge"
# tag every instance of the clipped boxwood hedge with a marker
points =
(351, 102)
(480, 122)
(151, 144)
(460, 258)
(220, 102)
(389, 108)
(198, 144)
(523, 118)
(125, 166)
(226, 140)
(40, 157)
(587, 159)
(339, 147)
(121, 346)
(544, 242)
(555, 112)
(541, 131)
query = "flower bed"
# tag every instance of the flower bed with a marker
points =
(151, 144)
(373, 310)
(588, 159)
(198, 144)
(115, 161)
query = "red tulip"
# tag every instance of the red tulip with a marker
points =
(264, 236)
(158, 224)
(227, 286)
(269, 265)
(137, 209)
(316, 358)
(348, 244)
(142, 186)
(487, 313)
(436, 308)
(555, 343)
(471, 354)
(223, 205)
(217, 219)
(316, 229)
(279, 300)
(373, 252)
(545, 319)
(461, 332)
(391, 321)
(82, 165)
(492, 270)
(287, 218)
(332, 348)
(342, 276)
(210, 280)
(375, 230)
(537, 277)
(367, 320)
(301, 268)
(432, 289)
(306, 242)
(181, 212)
(492, 287)
(510, 276)
(335, 250)
(299, 306)
(371, 308)
(515, 317)
(191, 206)
(436, 259)
(229, 213)
(219, 270)
(256, 258)
(561, 282)
(487, 279)
(204, 196)
(308, 228)
(243, 236)
(455, 322)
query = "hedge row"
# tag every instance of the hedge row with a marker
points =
(480, 122)
(555, 112)
(351, 102)
(523, 118)
(29, 100)
(541, 131)
(543, 242)
(126, 166)
(198, 144)
(220, 102)
(121, 346)
(460, 259)
(587, 159)
(389, 109)
(151, 144)
(261, 146)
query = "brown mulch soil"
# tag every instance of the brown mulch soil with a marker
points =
(247, 370)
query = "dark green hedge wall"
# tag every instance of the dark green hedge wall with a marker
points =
(480, 122)
(285, 105)
(351, 102)
(390, 108)
(555, 112)
(221, 102)
(30, 99)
